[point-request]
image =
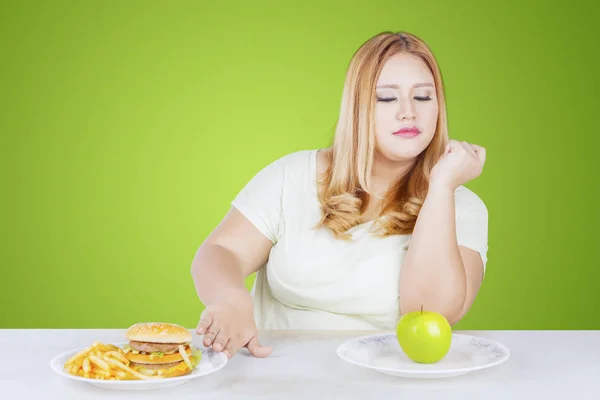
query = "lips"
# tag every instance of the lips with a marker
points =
(409, 131)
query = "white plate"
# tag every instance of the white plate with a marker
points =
(210, 362)
(382, 353)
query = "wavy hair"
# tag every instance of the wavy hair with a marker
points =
(346, 182)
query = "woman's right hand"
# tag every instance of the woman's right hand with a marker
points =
(228, 325)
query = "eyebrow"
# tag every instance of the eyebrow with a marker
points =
(394, 86)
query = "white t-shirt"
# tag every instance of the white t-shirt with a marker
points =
(314, 281)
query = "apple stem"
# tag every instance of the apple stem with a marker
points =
(421, 308)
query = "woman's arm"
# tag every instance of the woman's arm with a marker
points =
(233, 251)
(437, 273)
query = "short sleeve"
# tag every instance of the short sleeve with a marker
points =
(471, 222)
(260, 200)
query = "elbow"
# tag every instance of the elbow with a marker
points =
(194, 270)
(453, 318)
(457, 315)
(193, 267)
(449, 305)
(452, 308)
(196, 264)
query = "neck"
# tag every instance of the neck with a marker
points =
(386, 173)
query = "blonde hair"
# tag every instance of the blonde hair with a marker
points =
(346, 182)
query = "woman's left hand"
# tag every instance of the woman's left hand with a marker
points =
(460, 163)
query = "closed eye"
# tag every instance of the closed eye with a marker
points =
(390, 99)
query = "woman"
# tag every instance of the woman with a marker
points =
(353, 236)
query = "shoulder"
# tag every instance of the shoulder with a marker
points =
(290, 166)
(294, 160)
(303, 158)
(467, 201)
(323, 160)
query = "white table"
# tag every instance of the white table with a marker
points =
(304, 365)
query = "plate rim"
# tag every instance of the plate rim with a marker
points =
(55, 361)
(426, 372)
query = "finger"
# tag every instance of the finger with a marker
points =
(230, 349)
(234, 345)
(256, 349)
(476, 148)
(210, 335)
(205, 321)
(453, 145)
(481, 154)
(468, 148)
(220, 340)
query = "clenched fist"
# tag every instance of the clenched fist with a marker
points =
(460, 163)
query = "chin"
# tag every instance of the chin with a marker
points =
(402, 152)
(401, 155)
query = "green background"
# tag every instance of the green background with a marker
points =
(128, 127)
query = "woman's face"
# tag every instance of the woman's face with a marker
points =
(406, 111)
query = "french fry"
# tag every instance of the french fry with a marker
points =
(126, 368)
(102, 373)
(100, 346)
(86, 365)
(106, 347)
(118, 356)
(99, 362)
(81, 354)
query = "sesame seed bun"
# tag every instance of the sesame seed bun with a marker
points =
(158, 332)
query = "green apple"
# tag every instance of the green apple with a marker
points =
(424, 336)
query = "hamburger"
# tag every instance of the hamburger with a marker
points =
(160, 349)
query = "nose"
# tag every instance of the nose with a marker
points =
(406, 110)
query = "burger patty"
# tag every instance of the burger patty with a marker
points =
(154, 366)
(153, 347)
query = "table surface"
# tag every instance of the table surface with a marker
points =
(304, 364)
